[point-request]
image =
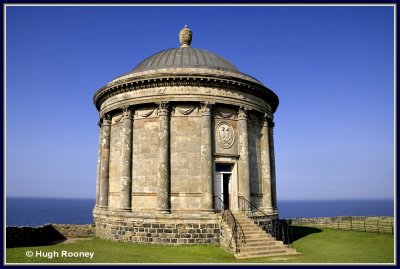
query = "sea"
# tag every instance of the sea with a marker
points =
(40, 211)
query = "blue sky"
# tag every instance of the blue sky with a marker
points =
(331, 66)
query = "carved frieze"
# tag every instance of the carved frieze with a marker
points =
(224, 112)
(189, 93)
(116, 118)
(185, 109)
(146, 112)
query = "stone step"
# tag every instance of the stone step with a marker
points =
(250, 233)
(252, 227)
(258, 242)
(260, 233)
(241, 222)
(241, 217)
(255, 240)
(280, 249)
(266, 253)
(249, 225)
(254, 230)
(258, 236)
(262, 243)
(261, 255)
(246, 223)
(247, 248)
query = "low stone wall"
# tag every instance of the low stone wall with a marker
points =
(169, 229)
(226, 240)
(46, 234)
(354, 223)
(74, 231)
(322, 220)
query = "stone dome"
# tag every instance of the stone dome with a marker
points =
(185, 66)
(185, 57)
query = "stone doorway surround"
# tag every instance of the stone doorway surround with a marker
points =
(233, 201)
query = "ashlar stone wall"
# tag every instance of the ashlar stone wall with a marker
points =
(145, 159)
(185, 150)
(115, 156)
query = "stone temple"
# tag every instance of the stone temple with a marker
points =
(184, 136)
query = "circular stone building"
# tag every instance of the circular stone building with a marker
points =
(183, 135)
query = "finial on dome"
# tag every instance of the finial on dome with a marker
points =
(185, 37)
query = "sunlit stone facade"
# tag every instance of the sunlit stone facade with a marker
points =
(182, 127)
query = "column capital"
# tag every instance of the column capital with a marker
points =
(163, 109)
(243, 110)
(106, 119)
(205, 108)
(127, 112)
(268, 121)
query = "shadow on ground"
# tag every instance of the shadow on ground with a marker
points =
(300, 232)
(33, 236)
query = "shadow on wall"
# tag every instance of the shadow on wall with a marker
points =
(28, 236)
(300, 232)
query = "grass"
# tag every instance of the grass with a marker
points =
(315, 245)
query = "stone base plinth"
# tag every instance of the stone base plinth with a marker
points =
(158, 228)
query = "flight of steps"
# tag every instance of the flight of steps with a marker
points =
(258, 242)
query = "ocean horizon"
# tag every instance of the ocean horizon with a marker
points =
(29, 211)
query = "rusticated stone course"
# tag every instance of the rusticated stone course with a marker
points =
(159, 230)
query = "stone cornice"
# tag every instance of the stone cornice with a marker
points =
(233, 83)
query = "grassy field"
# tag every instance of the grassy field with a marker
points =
(315, 246)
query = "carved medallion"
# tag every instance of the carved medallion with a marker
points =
(225, 134)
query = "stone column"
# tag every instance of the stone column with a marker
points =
(206, 158)
(98, 167)
(272, 160)
(163, 184)
(105, 161)
(126, 160)
(244, 172)
(266, 168)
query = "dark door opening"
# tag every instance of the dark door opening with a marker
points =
(225, 191)
(222, 186)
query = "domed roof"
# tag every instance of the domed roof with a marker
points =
(185, 57)
(194, 66)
